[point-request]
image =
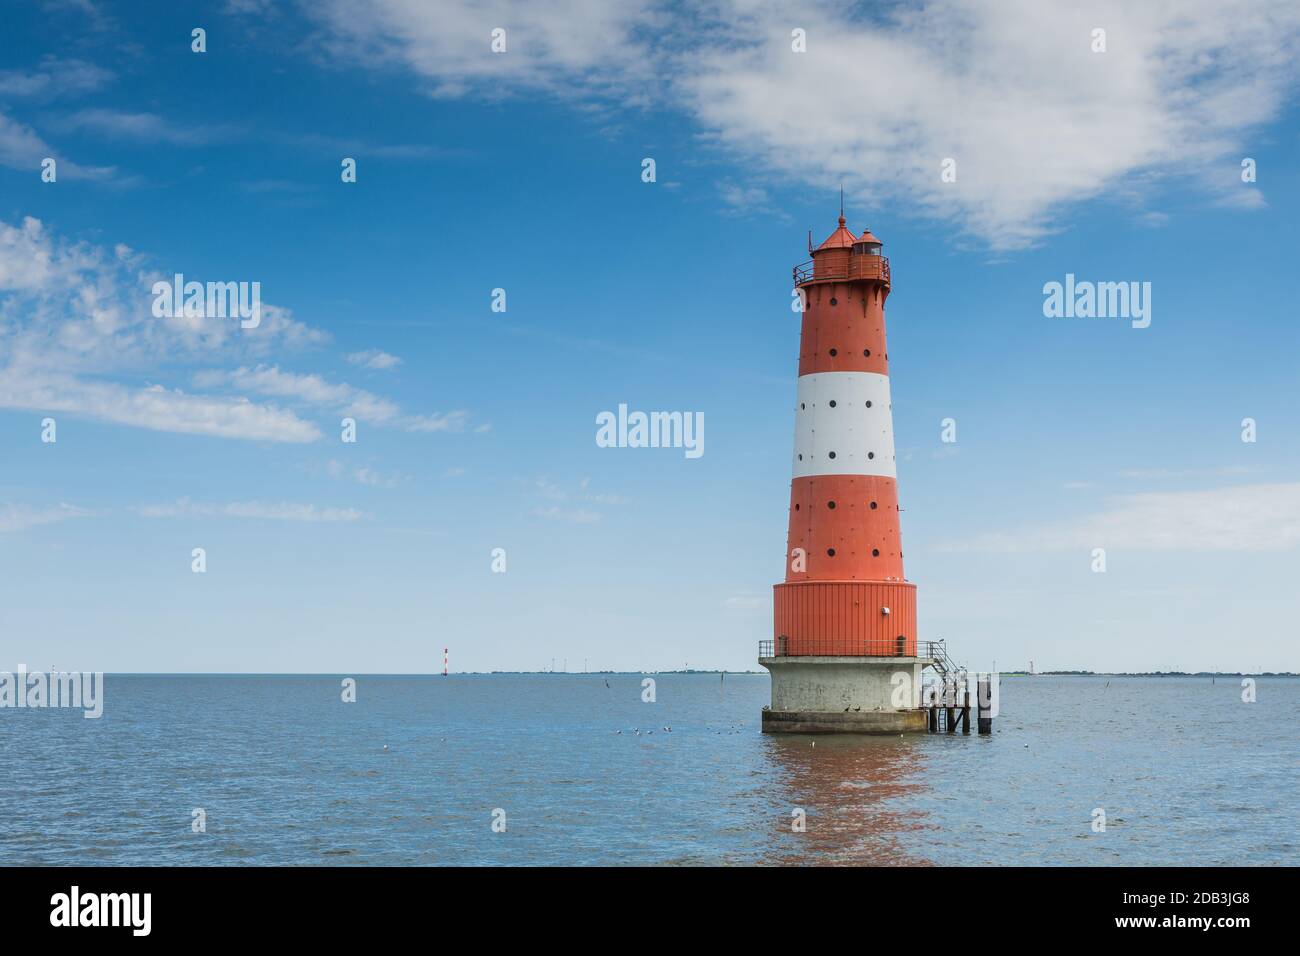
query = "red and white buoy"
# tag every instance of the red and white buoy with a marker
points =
(844, 613)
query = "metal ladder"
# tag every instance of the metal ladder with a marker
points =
(944, 665)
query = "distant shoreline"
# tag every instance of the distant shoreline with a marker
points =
(677, 672)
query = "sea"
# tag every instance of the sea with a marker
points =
(604, 769)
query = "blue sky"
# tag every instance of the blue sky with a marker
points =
(522, 171)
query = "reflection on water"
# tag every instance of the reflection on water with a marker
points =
(858, 794)
(587, 773)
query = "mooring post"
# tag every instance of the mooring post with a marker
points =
(965, 710)
(950, 698)
(985, 702)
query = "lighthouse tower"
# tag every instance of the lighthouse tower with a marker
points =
(845, 617)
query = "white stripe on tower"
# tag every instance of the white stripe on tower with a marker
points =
(846, 415)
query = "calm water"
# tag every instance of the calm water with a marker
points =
(287, 773)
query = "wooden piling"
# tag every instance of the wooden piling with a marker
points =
(985, 702)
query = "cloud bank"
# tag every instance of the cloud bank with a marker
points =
(1012, 91)
(78, 336)
(1263, 517)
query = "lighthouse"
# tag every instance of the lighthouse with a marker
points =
(843, 656)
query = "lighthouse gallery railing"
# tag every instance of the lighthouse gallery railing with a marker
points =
(866, 647)
(859, 267)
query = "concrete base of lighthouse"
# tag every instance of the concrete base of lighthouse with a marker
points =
(844, 695)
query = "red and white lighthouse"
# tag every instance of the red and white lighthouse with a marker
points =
(845, 616)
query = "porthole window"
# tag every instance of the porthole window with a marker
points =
(796, 507)
(868, 404)
(801, 457)
(875, 552)
(866, 353)
(832, 454)
(834, 301)
(834, 352)
(832, 403)
(803, 405)
(870, 454)
(873, 506)
(831, 505)
(830, 552)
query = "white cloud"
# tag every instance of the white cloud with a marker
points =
(363, 475)
(73, 306)
(584, 490)
(551, 44)
(21, 517)
(25, 257)
(1262, 517)
(368, 476)
(1012, 91)
(154, 408)
(550, 491)
(146, 128)
(747, 200)
(313, 389)
(355, 147)
(268, 511)
(76, 319)
(54, 77)
(22, 148)
(374, 359)
(70, 313)
(344, 399)
(440, 422)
